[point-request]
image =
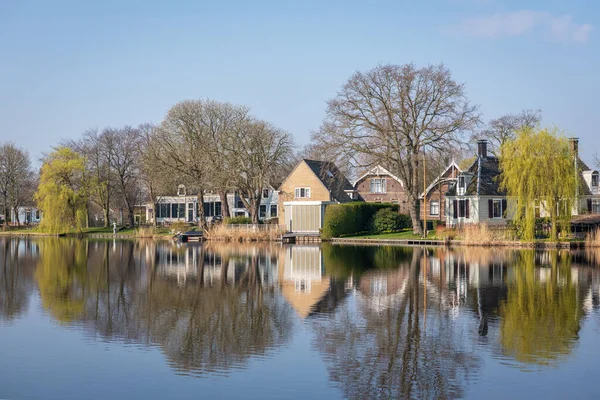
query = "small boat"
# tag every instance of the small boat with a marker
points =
(191, 236)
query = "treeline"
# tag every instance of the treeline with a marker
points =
(205, 145)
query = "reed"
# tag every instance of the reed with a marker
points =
(482, 235)
(245, 233)
(592, 239)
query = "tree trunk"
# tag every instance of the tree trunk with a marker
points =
(254, 209)
(16, 211)
(413, 196)
(155, 214)
(224, 204)
(201, 217)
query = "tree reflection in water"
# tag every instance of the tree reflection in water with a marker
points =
(17, 263)
(209, 309)
(379, 347)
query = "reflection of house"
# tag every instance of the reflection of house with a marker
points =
(382, 290)
(302, 279)
(307, 190)
(380, 186)
(436, 193)
(184, 207)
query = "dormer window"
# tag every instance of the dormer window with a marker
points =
(461, 185)
(181, 190)
(595, 180)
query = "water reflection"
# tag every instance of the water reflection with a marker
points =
(387, 322)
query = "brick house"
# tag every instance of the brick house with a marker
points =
(436, 193)
(379, 185)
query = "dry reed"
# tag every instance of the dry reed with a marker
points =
(483, 235)
(245, 233)
(592, 239)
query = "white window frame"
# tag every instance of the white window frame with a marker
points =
(378, 185)
(265, 193)
(431, 208)
(597, 176)
(462, 183)
(302, 193)
(499, 201)
(595, 206)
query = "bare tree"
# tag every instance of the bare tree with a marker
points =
(155, 176)
(502, 129)
(390, 114)
(256, 151)
(16, 176)
(124, 151)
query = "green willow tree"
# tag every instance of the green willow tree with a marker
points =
(63, 192)
(538, 171)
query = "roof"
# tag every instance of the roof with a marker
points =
(332, 178)
(486, 178)
(584, 189)
(378, 171)
(442, 178)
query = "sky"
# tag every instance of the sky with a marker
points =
(68, 66)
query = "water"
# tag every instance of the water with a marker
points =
(142, 319)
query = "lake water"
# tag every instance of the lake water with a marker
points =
(101, 319)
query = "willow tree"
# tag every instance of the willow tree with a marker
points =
(538, 170)
(63, 192)
(391, 114)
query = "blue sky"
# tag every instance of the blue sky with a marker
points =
(66, 66)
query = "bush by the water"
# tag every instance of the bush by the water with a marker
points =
(351, 218)
(387, 220)
(238, 221)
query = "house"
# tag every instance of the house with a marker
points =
(184, 206)
(435, 194)
(306, 192)
(378, 185)
(25, 215)
(475, 196)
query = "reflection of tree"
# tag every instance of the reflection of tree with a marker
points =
(119, 291)
(16, 265)
(540, 318)
(61, 277)
(345, 261)
(374, 353)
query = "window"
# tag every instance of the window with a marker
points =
(265, 193)
(378, 185)
(302, 193)
(273, 210)
(262, 211)
(497, 209)
(181, 210)
(218, 211)
(181, 190)
(595, 206)
(434, 208)
(240, 214)
(173, 210)
(460, 208)
(37, 214)
(239, 203)
(461, 185)
(595, 179)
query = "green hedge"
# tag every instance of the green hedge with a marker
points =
(351, 218)
(387, 220)
(238, 221)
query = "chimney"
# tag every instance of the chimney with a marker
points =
(482, 148)
(574, 145)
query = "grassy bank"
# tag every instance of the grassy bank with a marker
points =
(138, 232)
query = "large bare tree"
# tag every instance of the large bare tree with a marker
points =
(391, 114)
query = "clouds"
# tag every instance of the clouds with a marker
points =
(519, 23)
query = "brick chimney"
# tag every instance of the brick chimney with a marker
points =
(482, 148)
(574, 145)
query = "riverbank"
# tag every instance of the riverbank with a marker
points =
(96, 233)
(458, 243)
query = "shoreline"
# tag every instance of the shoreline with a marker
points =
(348, 241)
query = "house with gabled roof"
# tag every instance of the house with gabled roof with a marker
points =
(433, 200)
(378, 185)
(306, 192)
(476, 196)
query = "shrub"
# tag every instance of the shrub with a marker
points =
(238, 221)
(180, 226)
(350, 218)
(387, 220)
